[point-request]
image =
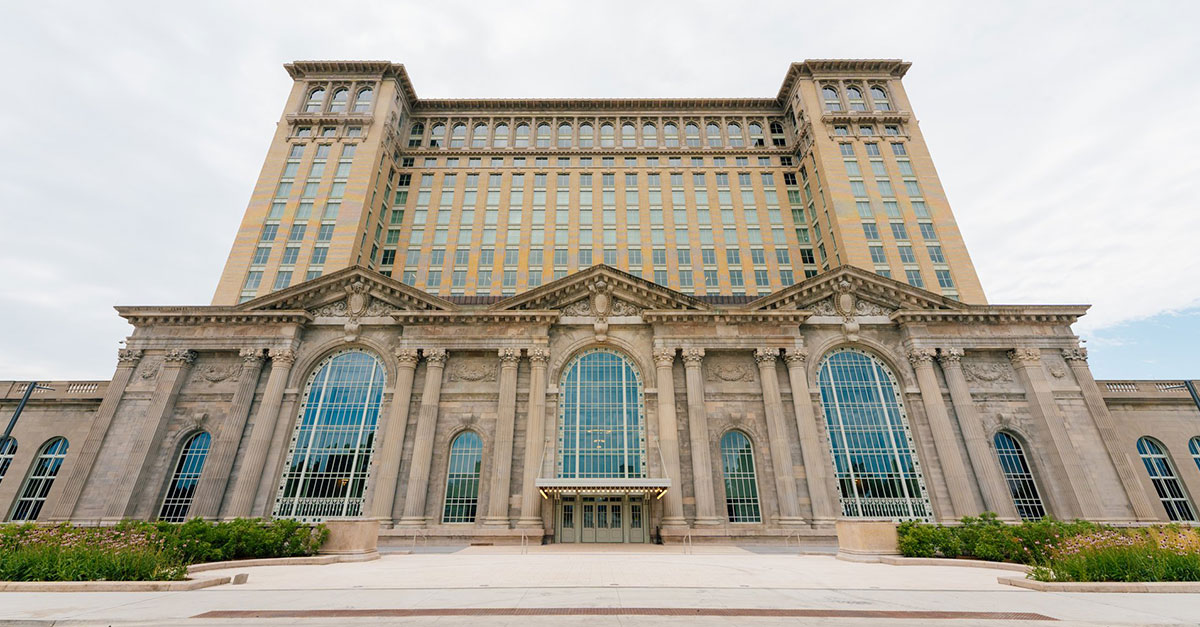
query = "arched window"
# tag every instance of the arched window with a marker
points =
(671, 134)
(692, 132)
(340, 97)
(40, 480)
(756, 135)
(415, 134)
(830, 96)
(601, 432)
(879, 98)
(564, 135)
(316, 98)
(607, 138)
(1019, 477)
(522, 136)
(735, 135)
(741, 483)
(362, 102)
(330, 454)
(8, 450)
(178, 499)
(877, 471)
(501, 138)
(543, 135)
(479, 136)
(437, 137)
(462, 478)
(1193, 447)
(1166, 482)
(458, 136)
(649, 135)
(714, 135)
(628, 135)
(854, 95)
(586, 135)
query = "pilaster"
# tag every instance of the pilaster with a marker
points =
(706, 508)
(962, 498)
(816, 456)
(498, 489)
(214, 479)
(531, 502)
(387, 464)
(781, 455)
(246, 487)
(418, 476)
(668, 436)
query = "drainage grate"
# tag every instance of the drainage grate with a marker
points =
(624, 611)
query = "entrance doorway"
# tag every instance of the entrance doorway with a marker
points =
(601, 519)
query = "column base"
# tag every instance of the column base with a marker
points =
(529, 523)
(674, 523)
(496, 522)
(411, 521)
(789, 521)
(707, 522)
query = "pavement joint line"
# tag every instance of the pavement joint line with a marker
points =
(610, 587)
(628, 611)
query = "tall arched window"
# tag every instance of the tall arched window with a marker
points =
(462, 478)
(1193, 447)
(692, 133)
(543, 135)
(40, 480)
(316, 98)
(830, 96)
(501, 138)
(587, 137)
(564, 135)
(607, 137)
(879, 98)
(628, 135)
(714, 135)
(458, 136)
(1019, 477)
(362, 102)
(8, 450)
(877, 471)
(671, 134)
(741, 483)
(178, 499)
(340, 97)
(415, 134)
(330, 453)
(479, 136)
(649, 135)
(601, 432)
(522, 136)
(1166, 482)
(437, 136)
(756, 135)
(735, 135)
(854, 95)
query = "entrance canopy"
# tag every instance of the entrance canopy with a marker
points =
(599, 486)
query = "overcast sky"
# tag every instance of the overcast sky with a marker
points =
(131, 136)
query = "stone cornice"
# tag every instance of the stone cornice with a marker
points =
(190, 316)
(316, 119)
(541, 105)
(550, 151)
(859, 117)
(479, 316)
(997, 314)
(368, 69)
(731, 316)
(857, 68)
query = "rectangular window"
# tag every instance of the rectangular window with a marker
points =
(735, 278)
(870, 231)
(899, 150)
(898, 231)
(906, 254)
(282, 280)
(761, 278)
(261, 254)
(935, 254)
(253, 279)
(914, 278)
(877, 255)
(289, 256)
(927, 231)
(944, 280)
(318, 256)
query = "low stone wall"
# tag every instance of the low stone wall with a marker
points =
(353, 539)
(866, 540)
(1191, 587)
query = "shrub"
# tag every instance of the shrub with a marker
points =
(1147, 554)
(987, 538)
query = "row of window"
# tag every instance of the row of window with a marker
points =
(854, 100)
(588, 162)
(605, 135)
(318, 101)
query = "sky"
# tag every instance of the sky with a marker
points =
(132, 134)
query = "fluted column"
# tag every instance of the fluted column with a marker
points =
(150, 431)
(1121, 457)
(72, 484)
(816, 457)
(668, 436)
(962, 498)
(992, 486)
(702, 484)
(387, 463)
(781, 454)
(1079, 497)
(418, 474)
(506, 415)
(246, 487)
(535, 427)
(215, 477)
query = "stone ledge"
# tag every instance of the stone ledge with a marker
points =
(893, 560)
(112, 586)
(266, 561)
(1102, 586)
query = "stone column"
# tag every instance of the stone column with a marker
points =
(992, 485)
(535, 427)
(668, 436)
(72, 484)
(706, 506)
(215, 477)
(816, 456)
(1122, 459)
(962, 498)
(422, 457)
(150, 432)
(1078, 497)
(246, 487)
(506, 415)
(781, 454)
(387, 464)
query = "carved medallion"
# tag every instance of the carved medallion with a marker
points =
(473, 371)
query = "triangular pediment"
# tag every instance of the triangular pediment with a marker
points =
(353, 291)
(871, 295)
(624, 294)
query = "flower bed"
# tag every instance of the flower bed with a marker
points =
(143, 551)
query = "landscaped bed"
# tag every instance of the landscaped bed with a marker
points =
(1064, 551)
(144, 551)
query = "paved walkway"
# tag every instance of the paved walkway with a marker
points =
(651, 585)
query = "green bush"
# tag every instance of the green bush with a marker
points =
(1167, 553)
(987, 538)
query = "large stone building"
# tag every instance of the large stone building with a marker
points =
(601, 321)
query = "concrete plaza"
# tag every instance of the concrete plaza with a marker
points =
(619, 585)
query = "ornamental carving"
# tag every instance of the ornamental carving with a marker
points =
(664, 357)
(332, 310)
(724, 369)
(473, 371)
(283, 356)
(867, 308)
(129, 356)
(1024, 356)
(843, 298)
(509, 355)
(693, 357)
(407, 356)
(950, 356)
(986, 372)
(1075, 354)
(215, 373)
(921, 356)
(824, 308)
(766, 355)
(1057, 371)
(539, 355)
(795, 357)
(251, 356)
(578, 308)
(357, 304)
(181, 356)
(150, 368)
(436, 356)
(622, 308)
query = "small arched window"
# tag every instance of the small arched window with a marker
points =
(458, 136)
(649, 135)
(714, 135)
(415, 134)
(756, 135)
(543, 136)
(879, 98)
(40, 480)
(564, 135)
(362, 102)
(586, 135)
(8, 450)
(178, 499)
(741, 482)
(671, 134)
(776, 128)
(692, 133)
(735, 135)
(1193, 447)
(607, 136)
(522, 136)
(479, 136)
(316, 98)
(830, 96)
(628, 135)
(437, 137)
(1019, 477)
(501, 138)
(462, 478)
(854, 95)
(1166, 482)
(340, 97)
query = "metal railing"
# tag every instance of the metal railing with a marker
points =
(524, 543)
(688, 547)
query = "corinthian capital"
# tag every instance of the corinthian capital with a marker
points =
(181, 356)
(407, 357)
(766, 355)
(1024, 356)
(795, 357)
(283, 356)
(509, 356)
(128, 357)
(693, 357)
(921, 356)
(251, 356)
(436, 356)
(1078, 353)
(950, 356)
(539, 355)
(664, 357)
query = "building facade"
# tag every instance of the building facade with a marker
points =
(589, 401)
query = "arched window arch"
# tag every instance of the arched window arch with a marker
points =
(1193, 448)
(649, 135)
(316, 98)
(714, 135)
(1019, 477)
(877, 470)
(756, 135)
(522, 136)
(692, 133)
(462, 478)
(1166, 482)
(607, 137)
(830, 96)
(479, 136)
(776, 127)
(671, 134)
(587, 135)
(855, 97)
(501, 138)
(543, 135)
(628, 135)
(40, 480)
(416, 134)
(458, 136)
(437, 136)
(178, 499)
(362, 102)
(330, 454)
(564, 135)
(879, 98)
(601, 430)
(741, 482)
(340, 97)
(8, 450)
(734, 130)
